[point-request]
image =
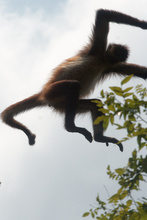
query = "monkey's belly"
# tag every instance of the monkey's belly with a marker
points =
(86, 71)
(89, 84)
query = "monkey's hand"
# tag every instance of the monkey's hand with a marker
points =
(143, 25)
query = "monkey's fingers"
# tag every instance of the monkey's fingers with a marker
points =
(32, 139)
(143, 24)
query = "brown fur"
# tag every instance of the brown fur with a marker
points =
(77, 77)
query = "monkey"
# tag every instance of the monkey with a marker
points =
(75, 78)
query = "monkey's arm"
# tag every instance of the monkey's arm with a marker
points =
(118, 17)
(101, 28)
(128, 69)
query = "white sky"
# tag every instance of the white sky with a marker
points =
(60, 176)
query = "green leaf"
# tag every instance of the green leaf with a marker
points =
(119, 126)
(112, 119)
(120, 171)
(127, 89)
(129, 101)
(86, 214)
(103, 110)
(141, 145)
(99, 119)
(132, 117)
(118, 91)
(92, 214)
(140, 177)
(129, 202)
(134, 154)
(114, 198)
(135, 98)
(105, 122)
(98, 102)
(128, 94)
(111, 108)
(117, 218)
(124, 194)
(144, 164)
(102, 93)
(126, 79)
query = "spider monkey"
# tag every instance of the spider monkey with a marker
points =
(76, 78)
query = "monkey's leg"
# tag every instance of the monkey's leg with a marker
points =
(128, 69)
(72, 98)
(98, 128)
(69, 90)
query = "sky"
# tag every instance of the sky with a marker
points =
(60, 176)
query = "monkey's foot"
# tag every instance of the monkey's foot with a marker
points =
(32, 139)
(120, 146)
(86, 133)
(83, 131)
(107, 140)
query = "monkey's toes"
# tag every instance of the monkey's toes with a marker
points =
(88, 136)
(120, 147)
(32, 139)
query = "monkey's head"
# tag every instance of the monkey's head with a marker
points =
(117, 53)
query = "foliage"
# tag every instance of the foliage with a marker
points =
(122, 205)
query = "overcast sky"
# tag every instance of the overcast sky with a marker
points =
(62, 174)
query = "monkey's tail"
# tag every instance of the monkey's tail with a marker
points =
(24, 105)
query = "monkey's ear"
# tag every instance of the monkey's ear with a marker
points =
(117, 53)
